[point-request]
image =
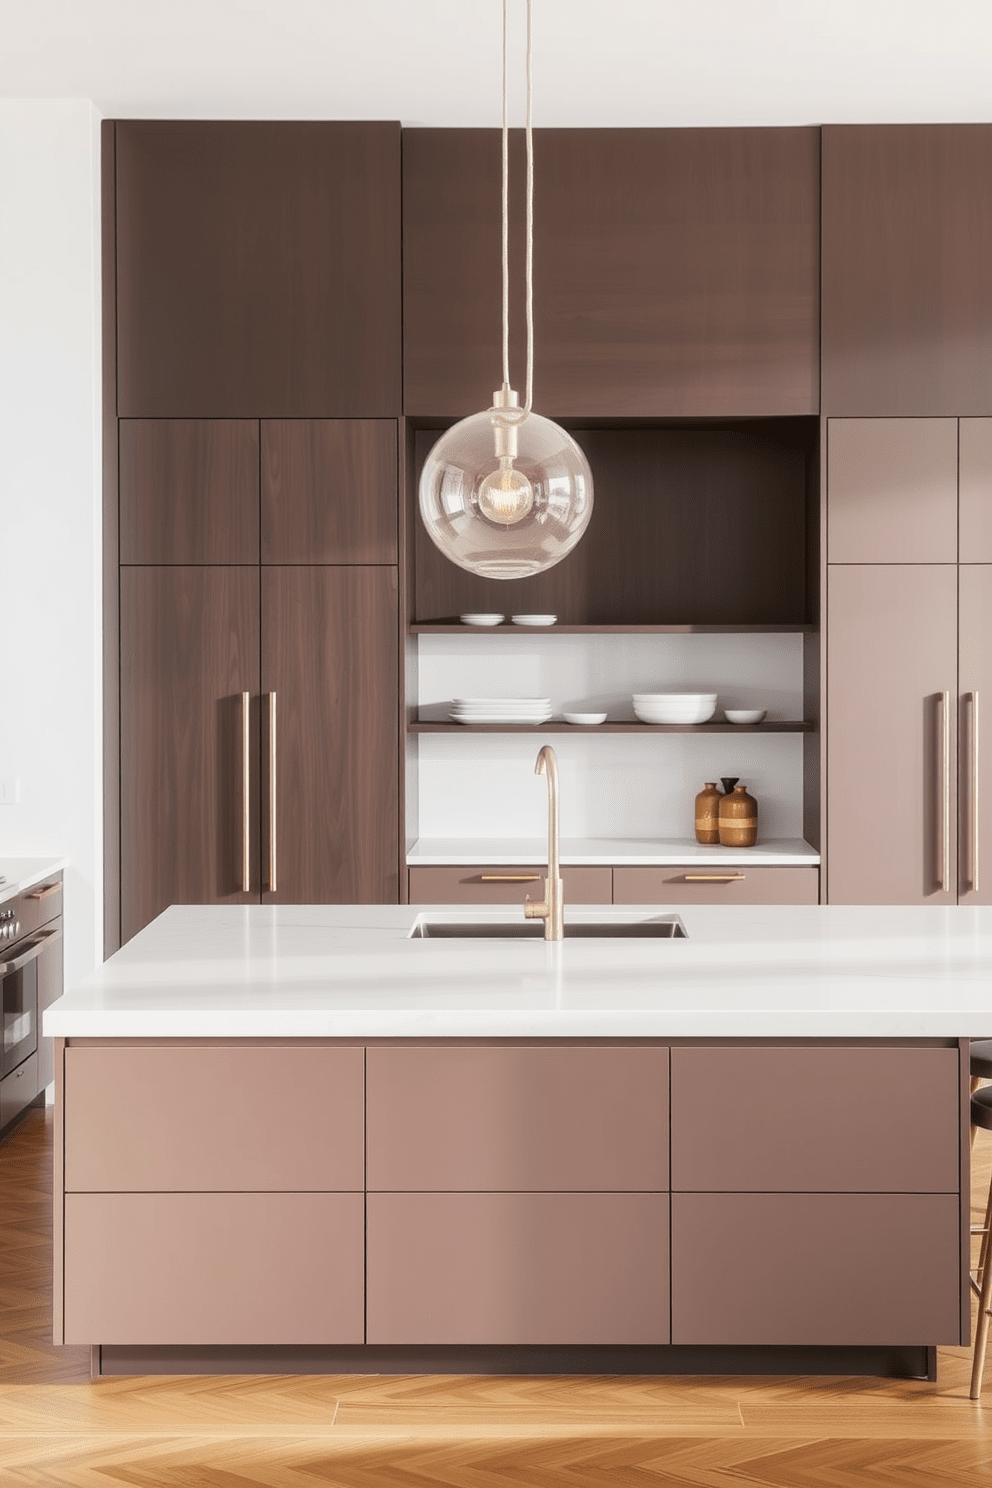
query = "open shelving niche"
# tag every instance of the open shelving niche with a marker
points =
(699, 570)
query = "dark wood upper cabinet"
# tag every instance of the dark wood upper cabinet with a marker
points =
(188, 490)
(258, 269)
(907, 295)
(676, 271)
(329, 491)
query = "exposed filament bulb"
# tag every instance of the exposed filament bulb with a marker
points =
(506, 495)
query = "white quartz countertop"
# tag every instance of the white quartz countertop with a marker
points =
(24, 873)
(626, 852)
(352, 971)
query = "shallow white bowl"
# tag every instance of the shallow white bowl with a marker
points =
(744, 715)
(533, 619)
(482, 619)
(674, 707)
(584, 717)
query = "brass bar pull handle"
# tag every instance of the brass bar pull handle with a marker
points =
(715, 877)
(45, 892)
(509, 878)
(973, 791)
(944, 792)
(273, 880)
(246, 793)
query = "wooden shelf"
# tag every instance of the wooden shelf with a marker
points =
(557, 726)
(454, 627)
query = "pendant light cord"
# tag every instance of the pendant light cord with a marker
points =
(519, 416)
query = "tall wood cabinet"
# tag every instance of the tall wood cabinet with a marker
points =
(253, 390)
(909, 660)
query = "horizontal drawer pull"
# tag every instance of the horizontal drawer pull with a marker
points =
(45, 892)
(715, 877)
(509, 877)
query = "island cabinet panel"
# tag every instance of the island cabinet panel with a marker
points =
(527, 1118)
(907, 238)
(893, 490)
(519, 1268)
(892, 664)
(676, 271)
(188, 490)
(207, 1268)
(506, 884)
(975, 490)
(796, 1118)
(735, 884)
(258, 268)
(329, 491)
(815, 1268)
(208, 1117)
(330, 669)
(189, 640)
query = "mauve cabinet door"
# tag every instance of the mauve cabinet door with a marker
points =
(892, 490)
(214, 1117)
(202, 1268)
(188, 490)
(330, 655)
(518, 1268)
(892, 641)
(491, 1118)
(329, 491)
(816, 1269)
(815, 1119)
(975, 770)
(189, 650)
(975, 454)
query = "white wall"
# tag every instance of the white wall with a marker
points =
(50, 503)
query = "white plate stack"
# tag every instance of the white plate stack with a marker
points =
(501, 710)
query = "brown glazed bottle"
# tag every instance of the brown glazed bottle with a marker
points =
(738, 819)
(708, 814)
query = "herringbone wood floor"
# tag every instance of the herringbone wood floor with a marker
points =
(59, 1427)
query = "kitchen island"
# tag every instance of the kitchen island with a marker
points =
(299, 1138)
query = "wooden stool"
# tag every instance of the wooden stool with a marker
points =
(981, 1282)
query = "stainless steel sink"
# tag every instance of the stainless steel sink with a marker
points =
(663, 927)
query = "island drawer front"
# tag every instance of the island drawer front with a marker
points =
(542, 1118)
(583, 885)
(518, 1268)
(212, 1118)
(692, 884)
(794, 1118)
(214, 1268)
(815, 1269)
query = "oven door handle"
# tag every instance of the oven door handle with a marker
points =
(37, 945)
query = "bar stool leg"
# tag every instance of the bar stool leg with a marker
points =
(984, 1302)
(976, 1080)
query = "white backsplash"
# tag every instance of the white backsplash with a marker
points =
(612, 785)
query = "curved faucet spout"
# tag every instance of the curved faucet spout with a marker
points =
(552, 911)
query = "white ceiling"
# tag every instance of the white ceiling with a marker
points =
(436, 62)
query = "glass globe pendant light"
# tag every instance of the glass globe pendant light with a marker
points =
(507, 493)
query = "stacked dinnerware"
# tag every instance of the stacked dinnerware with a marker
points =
(501, 710)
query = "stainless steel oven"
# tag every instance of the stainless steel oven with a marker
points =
(21, 949)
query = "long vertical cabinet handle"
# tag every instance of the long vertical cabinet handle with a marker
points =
(973, 791)
(246, 792)
(273, 880)
(944, 790)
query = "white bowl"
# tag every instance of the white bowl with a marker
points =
(584, 717)
(674, 707)
(482, 619)
(744, 715)
(533, 619)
